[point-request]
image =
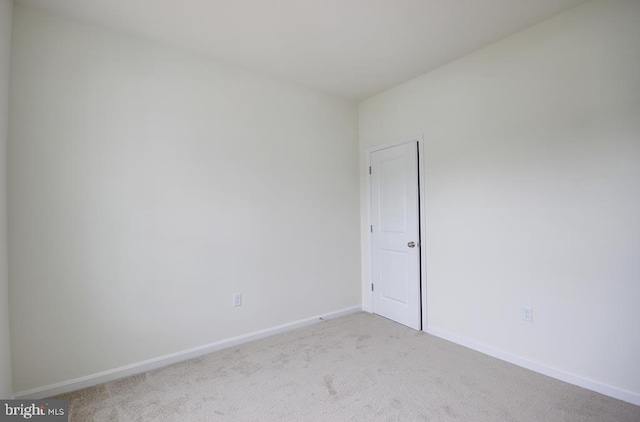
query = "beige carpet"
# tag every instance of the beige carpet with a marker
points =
(356, 368)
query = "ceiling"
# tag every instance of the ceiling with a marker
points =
(348, 48)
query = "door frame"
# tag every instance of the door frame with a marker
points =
(423, 232)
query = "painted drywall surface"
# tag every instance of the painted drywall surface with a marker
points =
(149, 185)
(532, 190)
(6, 8)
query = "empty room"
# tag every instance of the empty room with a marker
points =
(366, 210)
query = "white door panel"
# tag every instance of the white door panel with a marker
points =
(396, 224)
(393, 278)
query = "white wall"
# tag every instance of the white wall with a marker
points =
(6, 7)
(532, 191)
(148, 185)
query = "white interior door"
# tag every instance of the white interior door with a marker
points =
(396, 234)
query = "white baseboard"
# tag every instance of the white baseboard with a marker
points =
(147, 365)
(599, 387)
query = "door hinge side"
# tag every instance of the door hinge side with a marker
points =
(371, 226)
(369, 169)
(371, 286)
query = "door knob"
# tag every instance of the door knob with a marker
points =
(411, 244)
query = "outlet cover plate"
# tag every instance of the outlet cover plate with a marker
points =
(526, 313)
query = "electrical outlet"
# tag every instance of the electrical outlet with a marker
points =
(237, 299)
(527, 313)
